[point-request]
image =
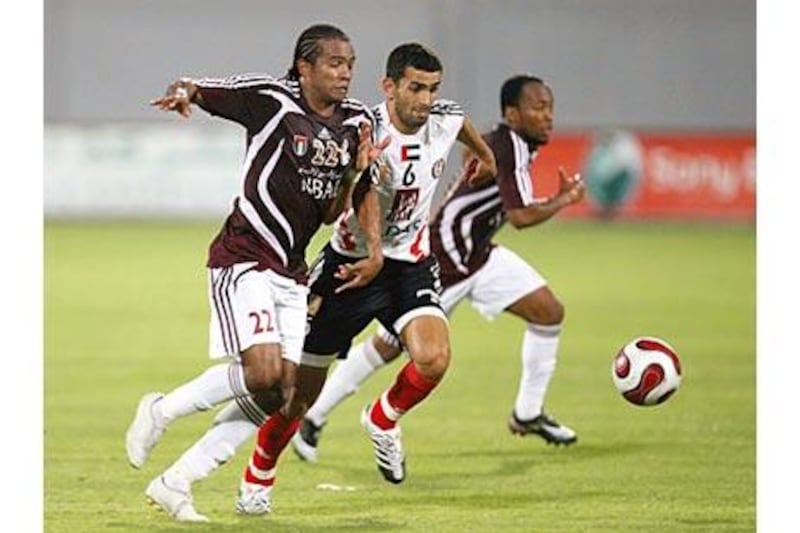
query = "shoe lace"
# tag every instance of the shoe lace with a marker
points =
(258, 498)
(389, 445)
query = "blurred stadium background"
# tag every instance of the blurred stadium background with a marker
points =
(677, 75)
(655, 105)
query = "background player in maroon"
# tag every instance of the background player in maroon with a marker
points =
(306, 144)
(493, 277)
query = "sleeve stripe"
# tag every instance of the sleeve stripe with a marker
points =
(522, 175)
(446, 107)
(352, 103)
(245, 81)
(235, 80)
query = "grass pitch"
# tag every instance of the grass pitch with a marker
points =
(125, 313)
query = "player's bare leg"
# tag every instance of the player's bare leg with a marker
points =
(427, 340)
(544, 315)
(362, 361)
(259, 476)
(268, 376)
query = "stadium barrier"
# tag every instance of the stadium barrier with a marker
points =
(171, 170)
(656, 175)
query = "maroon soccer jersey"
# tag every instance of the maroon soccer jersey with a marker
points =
(461, 234)
(293, 166)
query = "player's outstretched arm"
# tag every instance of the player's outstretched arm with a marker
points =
(483, 167)
(179, 97)
(570, 191)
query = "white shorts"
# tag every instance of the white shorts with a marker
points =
(504, 279)
(251, 307)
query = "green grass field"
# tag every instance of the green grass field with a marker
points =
(125, 313)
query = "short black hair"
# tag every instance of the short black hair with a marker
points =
(411, 55)
(308, 45)
(512, 90)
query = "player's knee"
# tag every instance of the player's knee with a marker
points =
(548, 310)
(432, 361)
(553, 313)
(263, 368)
(262, 377)
(270, 399)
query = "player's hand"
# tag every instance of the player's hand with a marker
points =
(570, 188)
(476, 173)
(359, 273)
(384, 171)
(367, 151)
(178, 98)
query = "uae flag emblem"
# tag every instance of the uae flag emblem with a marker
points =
(300, 144)
(409, 152)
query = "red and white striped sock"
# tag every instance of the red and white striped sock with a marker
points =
(409, 389)
(272, 438)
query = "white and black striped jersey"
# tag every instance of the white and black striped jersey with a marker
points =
(293, 165)
(461, 234)
(415, 163)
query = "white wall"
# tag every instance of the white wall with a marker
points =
(650, 64)
(129, 171)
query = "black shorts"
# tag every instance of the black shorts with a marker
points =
(335, 319)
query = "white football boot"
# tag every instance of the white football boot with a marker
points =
(254, 499)
(388, 448)
(145, 430)
(175, 501)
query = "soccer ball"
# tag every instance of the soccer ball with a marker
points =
(646, 371)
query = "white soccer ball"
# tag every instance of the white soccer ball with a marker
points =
(646, 371)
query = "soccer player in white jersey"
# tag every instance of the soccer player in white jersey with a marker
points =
(494, 278)
(306, 144)
(404, 295)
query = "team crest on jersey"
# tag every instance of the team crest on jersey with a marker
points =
(405, 200)
(300, 145)
(437, 168)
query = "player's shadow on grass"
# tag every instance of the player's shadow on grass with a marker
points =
(508, 462)
(549, 453)
(523, 461)
(274, 524)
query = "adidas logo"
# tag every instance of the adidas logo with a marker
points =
(324, 134)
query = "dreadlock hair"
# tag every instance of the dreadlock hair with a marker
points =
(309, 47)
(411, 55)
(512, 90)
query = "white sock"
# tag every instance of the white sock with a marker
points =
(539, 347)
(214, 386)
(231, 429)
(362, 361)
